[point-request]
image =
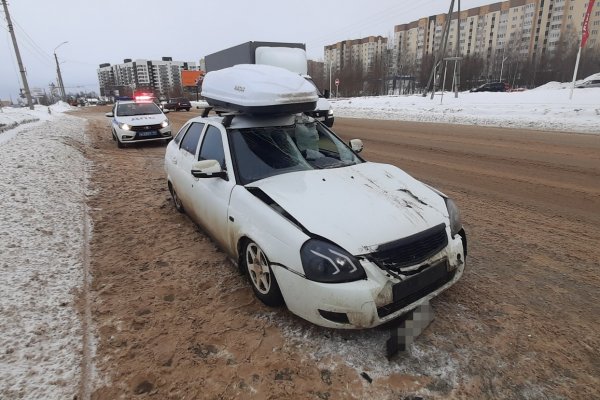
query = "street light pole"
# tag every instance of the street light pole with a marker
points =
(503, 59)
(330, 74)
(502, 67)
(60, 80)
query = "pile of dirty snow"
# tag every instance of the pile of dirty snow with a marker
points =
(42, 242)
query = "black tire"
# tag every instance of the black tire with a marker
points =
(260, 275)
(119, 143)
(187, 109)
(176, 200)
(114, 135)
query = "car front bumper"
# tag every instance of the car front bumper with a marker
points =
(373, 301)
(153, 135)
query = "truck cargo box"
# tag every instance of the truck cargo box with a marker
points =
(244, 53)
(259, 89)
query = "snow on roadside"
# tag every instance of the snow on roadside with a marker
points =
(545, 108)
(10, 117)
(42, 193)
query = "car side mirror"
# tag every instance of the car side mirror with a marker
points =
(356, 145)
(109, 114)
(208, 169)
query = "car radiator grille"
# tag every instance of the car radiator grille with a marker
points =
(411, 250)
(141, 128)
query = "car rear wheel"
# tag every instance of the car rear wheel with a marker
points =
(176, 199)
(261, 276)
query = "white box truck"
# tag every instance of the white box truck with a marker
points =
(291, 56)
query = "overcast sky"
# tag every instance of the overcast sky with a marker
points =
(111, 30)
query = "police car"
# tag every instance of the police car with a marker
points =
(139, 120)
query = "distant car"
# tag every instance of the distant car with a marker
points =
(492, 87)
(178, 104)
(589, 84)
(135, 121)
(101, 103)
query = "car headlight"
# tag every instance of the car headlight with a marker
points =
(454, 214)
(330, 112)
(125, 127)
(165, 123)
(325, 262)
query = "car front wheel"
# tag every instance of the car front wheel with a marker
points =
(261, 276)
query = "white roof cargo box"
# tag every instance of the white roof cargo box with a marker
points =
(259, 89)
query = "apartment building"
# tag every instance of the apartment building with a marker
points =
(162, 77)
(362, 53)
(519, 28)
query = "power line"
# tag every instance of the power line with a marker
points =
(369, 21)
(34, 47)
(40, 49)
(79, 62)
(13, 60)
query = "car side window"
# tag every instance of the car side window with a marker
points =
(180, 134)
(190, 141)
(212, 146)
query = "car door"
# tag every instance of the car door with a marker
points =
(185, 157)
(172, 156)
(211, 195)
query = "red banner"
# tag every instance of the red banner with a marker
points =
(585, 32)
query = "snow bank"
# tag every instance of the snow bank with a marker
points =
(41, 255)
(545, 108)
(12, 117)
(200, 103)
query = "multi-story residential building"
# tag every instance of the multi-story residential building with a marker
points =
(163, 77)
(528, 29)
(362, 53)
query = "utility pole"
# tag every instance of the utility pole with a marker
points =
(61, 85)
(438, 57)
(457, 55)
(21, 68)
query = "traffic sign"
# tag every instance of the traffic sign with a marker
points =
(337, 81)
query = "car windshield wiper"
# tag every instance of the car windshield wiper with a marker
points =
(339, 164)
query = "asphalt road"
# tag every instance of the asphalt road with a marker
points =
(522, 323)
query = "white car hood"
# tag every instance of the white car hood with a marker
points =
(136, 120)
(357, 207)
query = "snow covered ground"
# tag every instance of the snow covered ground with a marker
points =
(545, 108)
(42, 241)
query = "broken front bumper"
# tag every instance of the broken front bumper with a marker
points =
(373, 301)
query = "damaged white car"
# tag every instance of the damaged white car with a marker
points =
(342, 242)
